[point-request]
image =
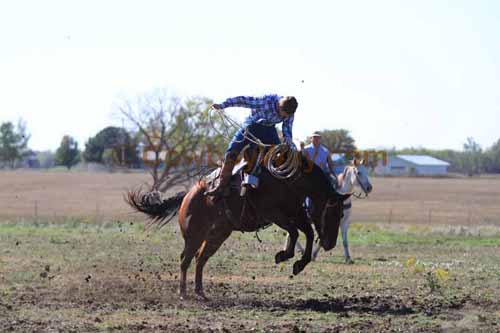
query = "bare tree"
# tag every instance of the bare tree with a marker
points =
(177, 133)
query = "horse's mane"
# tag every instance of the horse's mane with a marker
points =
(320, 179)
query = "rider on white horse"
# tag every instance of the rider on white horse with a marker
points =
(319, 154)
(354, 176)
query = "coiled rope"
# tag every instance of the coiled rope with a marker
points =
(281, 161)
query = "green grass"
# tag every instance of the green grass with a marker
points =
(78, 275)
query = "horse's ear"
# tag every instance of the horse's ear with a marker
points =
(355, 162)
(362, 162)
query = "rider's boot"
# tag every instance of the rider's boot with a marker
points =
(225, 175)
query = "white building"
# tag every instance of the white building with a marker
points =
(412, 165)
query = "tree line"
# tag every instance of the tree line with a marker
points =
(168, 135)
(472, 160)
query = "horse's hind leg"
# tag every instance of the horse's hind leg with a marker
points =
(190, 247)
(215, 238)
(193, 239)
(315, 252)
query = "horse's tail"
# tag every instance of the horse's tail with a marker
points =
(160, 211)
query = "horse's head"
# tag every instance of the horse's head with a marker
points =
(327, 219)
(328, 206)
(356, 175)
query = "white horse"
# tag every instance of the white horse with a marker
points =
(354, 176)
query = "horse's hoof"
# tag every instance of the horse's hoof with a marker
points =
(349, 261)
(298, 267)
(200, 296)
(280, 257)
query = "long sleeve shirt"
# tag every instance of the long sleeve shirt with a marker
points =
(264, 111)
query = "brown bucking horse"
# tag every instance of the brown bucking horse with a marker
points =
(206, 223)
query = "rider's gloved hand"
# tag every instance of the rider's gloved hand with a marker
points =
(290, 143)
(217, 106)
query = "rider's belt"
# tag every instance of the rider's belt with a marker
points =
(265, 123)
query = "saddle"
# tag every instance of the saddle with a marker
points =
(212, 179)
(248, 172)
(244, 177)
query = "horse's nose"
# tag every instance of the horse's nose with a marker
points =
(369, 188)
(327, 245)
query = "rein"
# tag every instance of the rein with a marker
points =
(328, 205)
(365, 192)
(354, 194)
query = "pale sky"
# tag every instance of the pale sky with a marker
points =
(394, 73)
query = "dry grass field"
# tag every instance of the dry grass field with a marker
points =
(81, 262)
(452, 201)
(58, 193)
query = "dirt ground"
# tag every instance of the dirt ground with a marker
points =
(79, 277)
(80, 262)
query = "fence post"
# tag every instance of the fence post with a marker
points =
(97, 212)
(36, 213)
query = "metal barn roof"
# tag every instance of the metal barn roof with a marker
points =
(423, 160)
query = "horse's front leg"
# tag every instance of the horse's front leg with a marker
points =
(304, 226)
(293, 235)
(298, 247)
(344, 226)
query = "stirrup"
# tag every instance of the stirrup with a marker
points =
(212, 192)
(218, 191)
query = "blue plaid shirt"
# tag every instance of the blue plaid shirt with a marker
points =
(264, 111)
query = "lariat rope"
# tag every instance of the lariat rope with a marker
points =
(280, 160)
(280, 169)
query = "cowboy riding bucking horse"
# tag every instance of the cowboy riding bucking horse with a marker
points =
(266, 112)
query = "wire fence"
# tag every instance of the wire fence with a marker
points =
(430, 216)
(363, 211)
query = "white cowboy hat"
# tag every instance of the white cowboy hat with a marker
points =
(316, 134)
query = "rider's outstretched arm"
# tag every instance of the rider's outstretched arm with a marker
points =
(244, 102)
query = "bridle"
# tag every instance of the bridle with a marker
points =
(360, 194)
(328, 205)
